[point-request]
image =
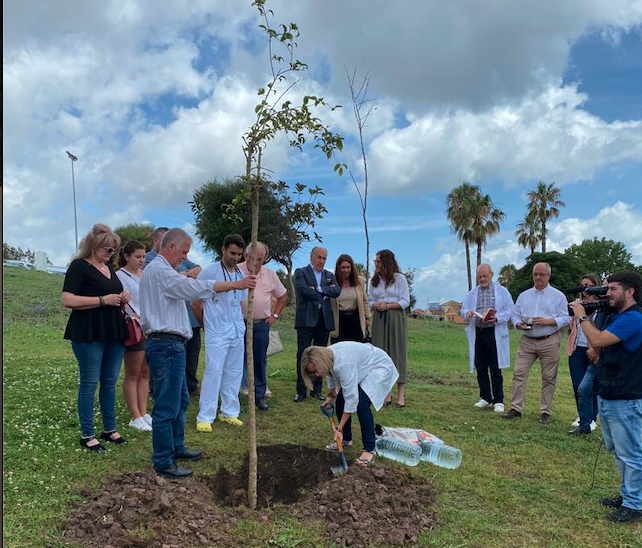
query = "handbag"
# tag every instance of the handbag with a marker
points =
(275, 346)
(134, 330)
(367, 338)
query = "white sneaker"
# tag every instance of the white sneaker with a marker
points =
(245, 391)
(498, 408)
(140, 424)
(481, 404)
(268, 393)
(576, 422)
(593, 425)
(148, 419)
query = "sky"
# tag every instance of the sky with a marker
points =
(154, 97)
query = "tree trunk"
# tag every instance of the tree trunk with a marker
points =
(543, 236)
(252, 494)
(479, 254)
(470, 281)
(291, 278)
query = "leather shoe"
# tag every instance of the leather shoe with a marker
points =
(260, 403)
(175, 472)
(188, 455)
(545, 418)
(317, 395)
(299, 397)
(512, 414)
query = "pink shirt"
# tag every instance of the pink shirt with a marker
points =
(268, 286)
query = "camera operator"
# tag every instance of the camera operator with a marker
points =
(580, 365)
(619, 376)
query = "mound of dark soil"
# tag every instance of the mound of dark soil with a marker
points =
(371, 505)
(375, 505)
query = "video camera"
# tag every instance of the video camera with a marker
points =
(591, 306)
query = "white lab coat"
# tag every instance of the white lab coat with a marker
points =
(361, 365)
(504, 306)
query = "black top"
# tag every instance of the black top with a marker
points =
(105, 323)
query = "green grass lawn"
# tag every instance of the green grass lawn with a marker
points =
(520, 484)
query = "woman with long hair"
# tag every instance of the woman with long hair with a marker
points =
(389, 296)
(359, 375)
(97, 331)
(351, 310)
(131, 260)
(581, 366)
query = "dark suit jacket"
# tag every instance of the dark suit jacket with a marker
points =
(308, 298)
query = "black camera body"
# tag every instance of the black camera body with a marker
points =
(591, 306)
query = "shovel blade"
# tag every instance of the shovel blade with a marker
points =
(337, 470)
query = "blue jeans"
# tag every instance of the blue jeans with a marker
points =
(622, 429)
(98, 361)
(260, 343)
(578, 365)
(166, 360)
(587, 398)
(366, 420)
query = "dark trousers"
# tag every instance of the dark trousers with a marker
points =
(585, 398)
(260, 343)
(308, 336)
(349, 327)
(485, 360)
(366, 420)
(192, 352)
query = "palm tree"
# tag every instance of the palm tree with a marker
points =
(544, 205)
(484, 221)
(528, 233)
(458, 213)
(506, 274)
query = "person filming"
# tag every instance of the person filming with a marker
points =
(619, 378)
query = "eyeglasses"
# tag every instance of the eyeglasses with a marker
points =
(109, 250)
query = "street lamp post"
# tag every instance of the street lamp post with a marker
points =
(73, 185)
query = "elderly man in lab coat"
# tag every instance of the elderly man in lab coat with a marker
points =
(487, 309)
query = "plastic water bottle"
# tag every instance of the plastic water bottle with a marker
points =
(399, 450)
(440, 454)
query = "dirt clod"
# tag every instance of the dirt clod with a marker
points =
(375, 505)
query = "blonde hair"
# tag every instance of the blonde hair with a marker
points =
(99, 236)
(321, 357)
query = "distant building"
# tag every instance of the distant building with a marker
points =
(451, 311)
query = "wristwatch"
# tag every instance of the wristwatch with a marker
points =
(583, 318)
(275, 316)
(189, 274)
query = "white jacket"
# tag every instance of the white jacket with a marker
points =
(361, 365)
(504, 306)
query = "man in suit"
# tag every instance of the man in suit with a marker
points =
(313, 321)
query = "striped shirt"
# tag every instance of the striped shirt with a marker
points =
(485, 300)
(162, 295)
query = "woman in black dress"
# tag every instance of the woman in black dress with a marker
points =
(97, 331)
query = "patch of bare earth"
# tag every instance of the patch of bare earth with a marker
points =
(363, 507)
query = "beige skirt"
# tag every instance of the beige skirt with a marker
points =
(390, 333)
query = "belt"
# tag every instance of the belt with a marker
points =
(540, 338)
(167, 336)
(483, 328)
(260, 320)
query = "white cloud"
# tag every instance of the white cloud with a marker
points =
(546, 137)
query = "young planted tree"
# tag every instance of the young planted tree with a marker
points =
(362, 107)
(275, 115)
(544, 204)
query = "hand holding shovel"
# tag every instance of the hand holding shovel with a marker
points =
(328, 410)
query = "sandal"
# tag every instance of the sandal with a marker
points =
(334, 447)
(387, 403)
(108, 437)
(365, 461)
(97, 448)
(400, 405)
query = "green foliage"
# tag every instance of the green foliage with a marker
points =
(544, 204)
(529, 233)
(143, 232)
(410, 278)
(601, 257)
(212, 225)
(17, 253)
(565, 272)
(506, 274)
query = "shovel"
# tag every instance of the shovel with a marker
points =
(336, 470)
